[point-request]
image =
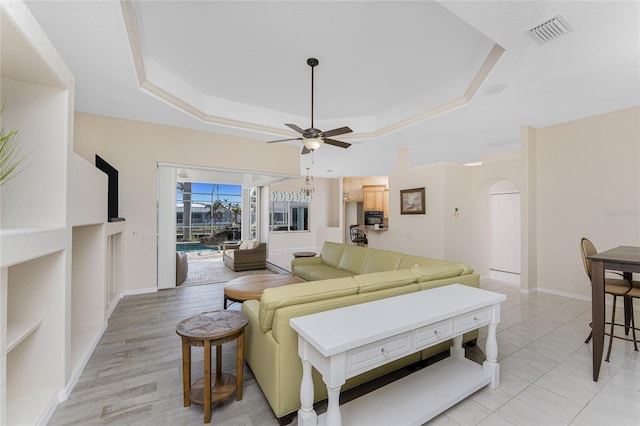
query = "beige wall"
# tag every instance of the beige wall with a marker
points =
(421, 235)
(135, 148)
(588, 185)
(576, 179)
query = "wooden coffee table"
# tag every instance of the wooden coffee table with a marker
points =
(304, 254)
(205, 330)
(252, 286)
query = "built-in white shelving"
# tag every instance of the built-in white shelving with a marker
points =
(22, 245)
(55, 277)
(20, 330)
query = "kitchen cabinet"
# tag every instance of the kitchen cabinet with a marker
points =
(376, 197)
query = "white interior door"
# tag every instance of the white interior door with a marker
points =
(505, 232)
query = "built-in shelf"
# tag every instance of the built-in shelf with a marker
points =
(23, 245)
(115, 227)
(20, 406)
(38, 98)
(17, 332)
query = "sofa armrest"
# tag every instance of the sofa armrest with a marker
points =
(182, 268)
(231, 246)
(258, 252)
(316, 260)
(306, 260)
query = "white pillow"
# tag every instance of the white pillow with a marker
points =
(254, 244)
(244, 245)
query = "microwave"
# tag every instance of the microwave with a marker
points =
(373, 217)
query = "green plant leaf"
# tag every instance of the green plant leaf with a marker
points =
(9, 160)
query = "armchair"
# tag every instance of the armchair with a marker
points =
(245, 257)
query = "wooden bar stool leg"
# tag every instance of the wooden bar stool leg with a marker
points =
(207, 381)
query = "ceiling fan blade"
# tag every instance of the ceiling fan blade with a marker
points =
(337, 143)
(336, 132)
(305, 150)
(285, 140)
(296, 128)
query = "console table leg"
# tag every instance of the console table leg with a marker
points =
(334, 418)
(456, 350)
(491, 365)
(306, 414)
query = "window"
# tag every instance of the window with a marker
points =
(205, 209)
(288, 211)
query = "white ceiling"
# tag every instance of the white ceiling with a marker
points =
(405, 76)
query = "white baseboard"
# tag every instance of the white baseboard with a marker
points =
(564, 294)
(113, 305)
(63, 395)
(49, 410)
(140, 291)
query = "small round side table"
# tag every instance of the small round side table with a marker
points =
(212, 329)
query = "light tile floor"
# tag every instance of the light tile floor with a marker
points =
(546, 373)
(134, 375)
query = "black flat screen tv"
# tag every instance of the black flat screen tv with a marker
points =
(112, 191)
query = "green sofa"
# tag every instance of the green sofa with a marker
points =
(341, 260)
(342, 275)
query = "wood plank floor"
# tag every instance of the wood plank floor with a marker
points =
(134, 376)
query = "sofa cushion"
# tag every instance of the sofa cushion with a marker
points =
(331, 253)
(408, 262)
(382, 280)
(245, 245)
(381, 260)
(466, 269)
(329, 273)
(277, 297)
(353, 259)
(436, 272)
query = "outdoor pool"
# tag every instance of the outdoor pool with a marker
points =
(193, 247)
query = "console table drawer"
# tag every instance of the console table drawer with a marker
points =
(472, 320)
(378, 353)
(432, 334)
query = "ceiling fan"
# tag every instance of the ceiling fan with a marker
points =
(313, 138)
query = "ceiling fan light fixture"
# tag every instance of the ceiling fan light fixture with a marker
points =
(312, 143)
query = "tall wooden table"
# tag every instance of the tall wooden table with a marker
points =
(206, 330)
(625, 259)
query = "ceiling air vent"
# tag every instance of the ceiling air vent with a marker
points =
(549, 30)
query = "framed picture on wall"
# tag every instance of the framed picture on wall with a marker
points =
(412, 201)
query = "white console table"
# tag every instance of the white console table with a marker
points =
(345, 342)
